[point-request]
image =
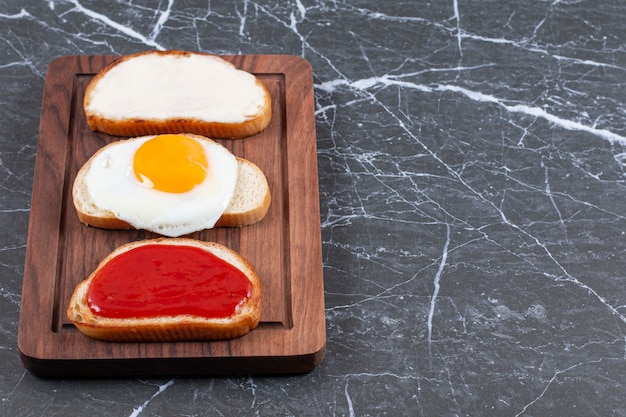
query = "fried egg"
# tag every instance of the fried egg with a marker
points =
(168, 184)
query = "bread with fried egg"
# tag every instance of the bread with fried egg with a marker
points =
(168, 328)
(173, 91)
(249, 204)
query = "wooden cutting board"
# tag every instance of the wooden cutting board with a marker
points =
(284, 248)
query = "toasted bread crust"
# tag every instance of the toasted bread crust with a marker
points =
(91, 215)
(241, 219)
(141, 127)
(169, 328)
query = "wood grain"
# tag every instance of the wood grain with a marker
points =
(284, 248)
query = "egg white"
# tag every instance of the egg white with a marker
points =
(113, 185)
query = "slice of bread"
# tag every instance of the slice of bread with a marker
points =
(249, 204)
(181, 327)
(157, 92)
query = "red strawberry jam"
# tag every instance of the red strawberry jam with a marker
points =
(167, 280)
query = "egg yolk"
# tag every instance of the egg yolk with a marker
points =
(170, 163)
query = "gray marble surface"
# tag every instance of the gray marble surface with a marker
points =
(472, 170)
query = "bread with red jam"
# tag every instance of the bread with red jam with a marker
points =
(151, 291)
